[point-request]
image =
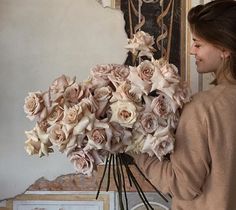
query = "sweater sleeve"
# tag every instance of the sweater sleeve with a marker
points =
(184, 174)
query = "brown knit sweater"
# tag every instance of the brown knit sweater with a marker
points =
(201, 173)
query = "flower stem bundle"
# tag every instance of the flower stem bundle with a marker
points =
(117, 162)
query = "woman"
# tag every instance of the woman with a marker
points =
(201, 173)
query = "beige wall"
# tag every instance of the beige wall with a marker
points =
(39, 41)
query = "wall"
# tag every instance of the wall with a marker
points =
(39, 41)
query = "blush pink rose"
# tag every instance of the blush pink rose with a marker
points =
(99, 75)
(163, 146)
(118, 74)
(149, 122)
(74, 93)
(124, 113)
(160, 106)
(58, 136)
(34, 104)
(83, 162)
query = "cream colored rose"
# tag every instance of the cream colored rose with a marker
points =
(72, 115)
(37, 142)
(34, 104)
(141, 44)
(137, 142)
(83, 162)
(124, 113)
(32, 144)
(86, 123)
(58, 136)
(160, 143)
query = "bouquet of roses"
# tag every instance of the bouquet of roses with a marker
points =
(117, 109)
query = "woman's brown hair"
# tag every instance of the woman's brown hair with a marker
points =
(215, 22)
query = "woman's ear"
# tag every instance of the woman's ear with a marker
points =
(225, 53)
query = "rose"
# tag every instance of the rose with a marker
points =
(32, 144)
(124, 113)
(119, 74)
(55, 115)
(100, 74)
(74, 93)
(43, 125)
(141, 43)
(137, 142)
(61, 83)
(83, 162)
(159, 144)
(163, 145)
(127, 92)
(89, 103)
(170, 72)
(102, 93)
(142, 75)
(37, 142)
(165, 78)
(97, 138)
(102, 96)
(71, 116)
(58, 136)
(58, 87)
(146, 70)
(162, 106)
(144, 40)
(34, 104)
(149, 122)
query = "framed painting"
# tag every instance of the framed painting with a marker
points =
(165, 20)
(61, 200)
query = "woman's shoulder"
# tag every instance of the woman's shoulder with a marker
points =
(203, 100)
(209, 95)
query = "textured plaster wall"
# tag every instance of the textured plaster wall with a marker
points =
(39, 41)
